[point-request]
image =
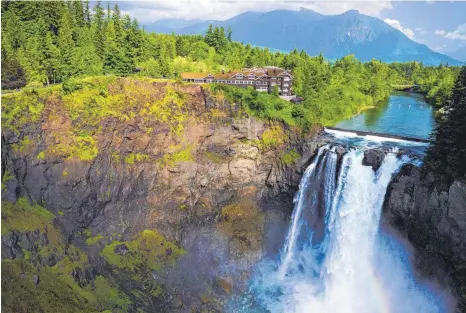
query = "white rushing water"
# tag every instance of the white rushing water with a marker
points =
(335, 258)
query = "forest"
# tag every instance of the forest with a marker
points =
(46, 43)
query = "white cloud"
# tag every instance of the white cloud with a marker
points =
(440, 32)
(146, 11)
(420, 31)
(440, 48)
(396, 24)
(459, 33)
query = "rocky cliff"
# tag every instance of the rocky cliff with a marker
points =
(137, 195)
(433, 219)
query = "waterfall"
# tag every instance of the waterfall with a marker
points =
(335, 258)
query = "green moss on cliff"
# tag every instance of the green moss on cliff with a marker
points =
(215, 157)
(290, 157)
(6, 177)
(22, 145)
(20, 294)
(182, 155)
(148, 250)
(136, 158)
(56, 288)
(93, 240)
(272, 138)
(23, 108)
(55, 291)
(22, 216)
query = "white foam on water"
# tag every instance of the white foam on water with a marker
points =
(339, 134)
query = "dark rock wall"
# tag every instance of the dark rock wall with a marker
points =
(434, 221)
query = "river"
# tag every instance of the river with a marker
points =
(403, 114)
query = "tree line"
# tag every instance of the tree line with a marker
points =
(50, 42)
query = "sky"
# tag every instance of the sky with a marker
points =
(441, 25)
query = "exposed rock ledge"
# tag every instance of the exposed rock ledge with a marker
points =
(219, 191)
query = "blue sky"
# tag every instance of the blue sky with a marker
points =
(441, 25)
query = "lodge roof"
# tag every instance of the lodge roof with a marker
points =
(258, 72)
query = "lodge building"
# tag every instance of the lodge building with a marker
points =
(262, 79)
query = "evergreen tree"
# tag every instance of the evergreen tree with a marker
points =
(98, 29)
(65, 44)
(209, 36)
(87, 14)
(52, 59)
(446, 157)
(229, 32)
(117, 23)
(12, 72)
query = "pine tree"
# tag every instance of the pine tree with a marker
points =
(98, 29)
(446, 157)
(209, 36)
(117, 23)
(12, 72)
(85, 59)
(229, 32)
(87, 14)
(65, 44)
(52, 59)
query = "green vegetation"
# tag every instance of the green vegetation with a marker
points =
(183, 154)
(75, 118)
(290, 157)
(23, 145)
(93, 240)
(446, 156)
(136, 158)
(215, 157)
(259, 104)
(56, 289)
(45, 43)
(435, 83)
(6, 177)
(22, 216)
(148, 250)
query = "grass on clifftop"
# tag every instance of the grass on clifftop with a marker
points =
(75, 113)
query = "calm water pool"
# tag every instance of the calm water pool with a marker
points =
(404, 114)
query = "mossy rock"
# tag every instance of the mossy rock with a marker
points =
(148, 250)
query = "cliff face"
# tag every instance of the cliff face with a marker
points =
(434, 221)
(165, 209)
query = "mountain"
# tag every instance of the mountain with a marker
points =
(333, 35)
(459, 54)
(171, 25)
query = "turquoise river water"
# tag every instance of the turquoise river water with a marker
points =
(404, 114)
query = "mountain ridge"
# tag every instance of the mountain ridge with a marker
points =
(335, 36)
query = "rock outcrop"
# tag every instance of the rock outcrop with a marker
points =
(373, 158)
(218, 187)
(434, 221)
